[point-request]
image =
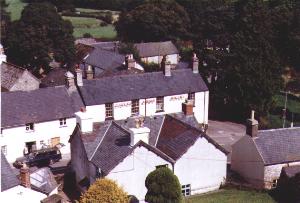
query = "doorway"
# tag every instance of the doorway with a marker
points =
(29, 147)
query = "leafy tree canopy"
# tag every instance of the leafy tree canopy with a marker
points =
(163, 187)
(156, 20)
(104, 190)
(39, 36)
(5, 19)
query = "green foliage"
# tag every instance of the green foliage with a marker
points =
(5, 19)
(40, 32)
(232, 196)
(129, 48)
(163, 187)
(104, 190)
(288, 189)
(156, 20)
(61, 5)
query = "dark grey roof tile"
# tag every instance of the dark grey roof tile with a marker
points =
(156, 49)
(8, 177)
(279, 145)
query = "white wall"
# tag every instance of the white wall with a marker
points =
(201, 107)
(173, 58)
(21, 194)
(15, 138)
(203, 166)
(131, 173)
(273, 172)
(172, 104)
(246, 160)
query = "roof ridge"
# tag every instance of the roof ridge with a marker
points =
(278, 129)
(14, 65)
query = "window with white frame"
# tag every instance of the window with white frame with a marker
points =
(159, 104)
(191, 97)
(186, 190)
(109, 114)
(62, 121)
(29, 126)
(135, 107)
(4, 149)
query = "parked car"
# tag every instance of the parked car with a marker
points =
(39, 158)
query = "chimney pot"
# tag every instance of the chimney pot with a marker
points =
(252, 126)
(25, 176)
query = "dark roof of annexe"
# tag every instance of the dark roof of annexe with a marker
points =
(45, 104)
(8, 177)
(278, 145)
(156, 49)
(140, 86)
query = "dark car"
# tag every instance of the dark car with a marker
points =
(39, 158)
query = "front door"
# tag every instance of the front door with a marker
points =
(29, 147)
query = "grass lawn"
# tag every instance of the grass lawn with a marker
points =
(91, 25)
(231, 196)
(15, 8)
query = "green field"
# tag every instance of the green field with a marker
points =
(15, 8)
(231, 196)
(91, 25)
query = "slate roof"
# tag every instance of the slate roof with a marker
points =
(10, 74)
(278, 145)
(109, 46)
(104, 59)
(8, 177)
(291, 171)
(139, 86)
(156, 49)
(46, 104)
(169, 138)
(55, 77)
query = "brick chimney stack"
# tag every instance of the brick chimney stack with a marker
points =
(89, 72)
(79, 77)
(130, 62)
(195, 62)
(25, 176)
(166, 66)
(187, 108)
(252, 126)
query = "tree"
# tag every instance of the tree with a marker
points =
(251, 73)
(163, 187)
(156, 20)
(104, 190)
(5, 19)
(40, 35)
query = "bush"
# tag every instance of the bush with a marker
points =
(108, 18)
(87, 35)
(163, 187)
(103, 24)
(104, 190)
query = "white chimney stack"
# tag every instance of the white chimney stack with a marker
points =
(130, 62)
(85, 121)
(79, 77)
(139, 133)
(195, 64)
(2, 55)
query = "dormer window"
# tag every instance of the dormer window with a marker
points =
(135, 107)
(30, 127)
(63, 122)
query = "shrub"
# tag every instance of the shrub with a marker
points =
(163, 187)
(87, 35)
(104, 190)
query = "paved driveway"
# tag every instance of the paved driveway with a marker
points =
(225, 133)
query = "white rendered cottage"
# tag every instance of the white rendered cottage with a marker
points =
(260, 155)
(153, 52)
(36, 119)
(127, 152)
(147, 94)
